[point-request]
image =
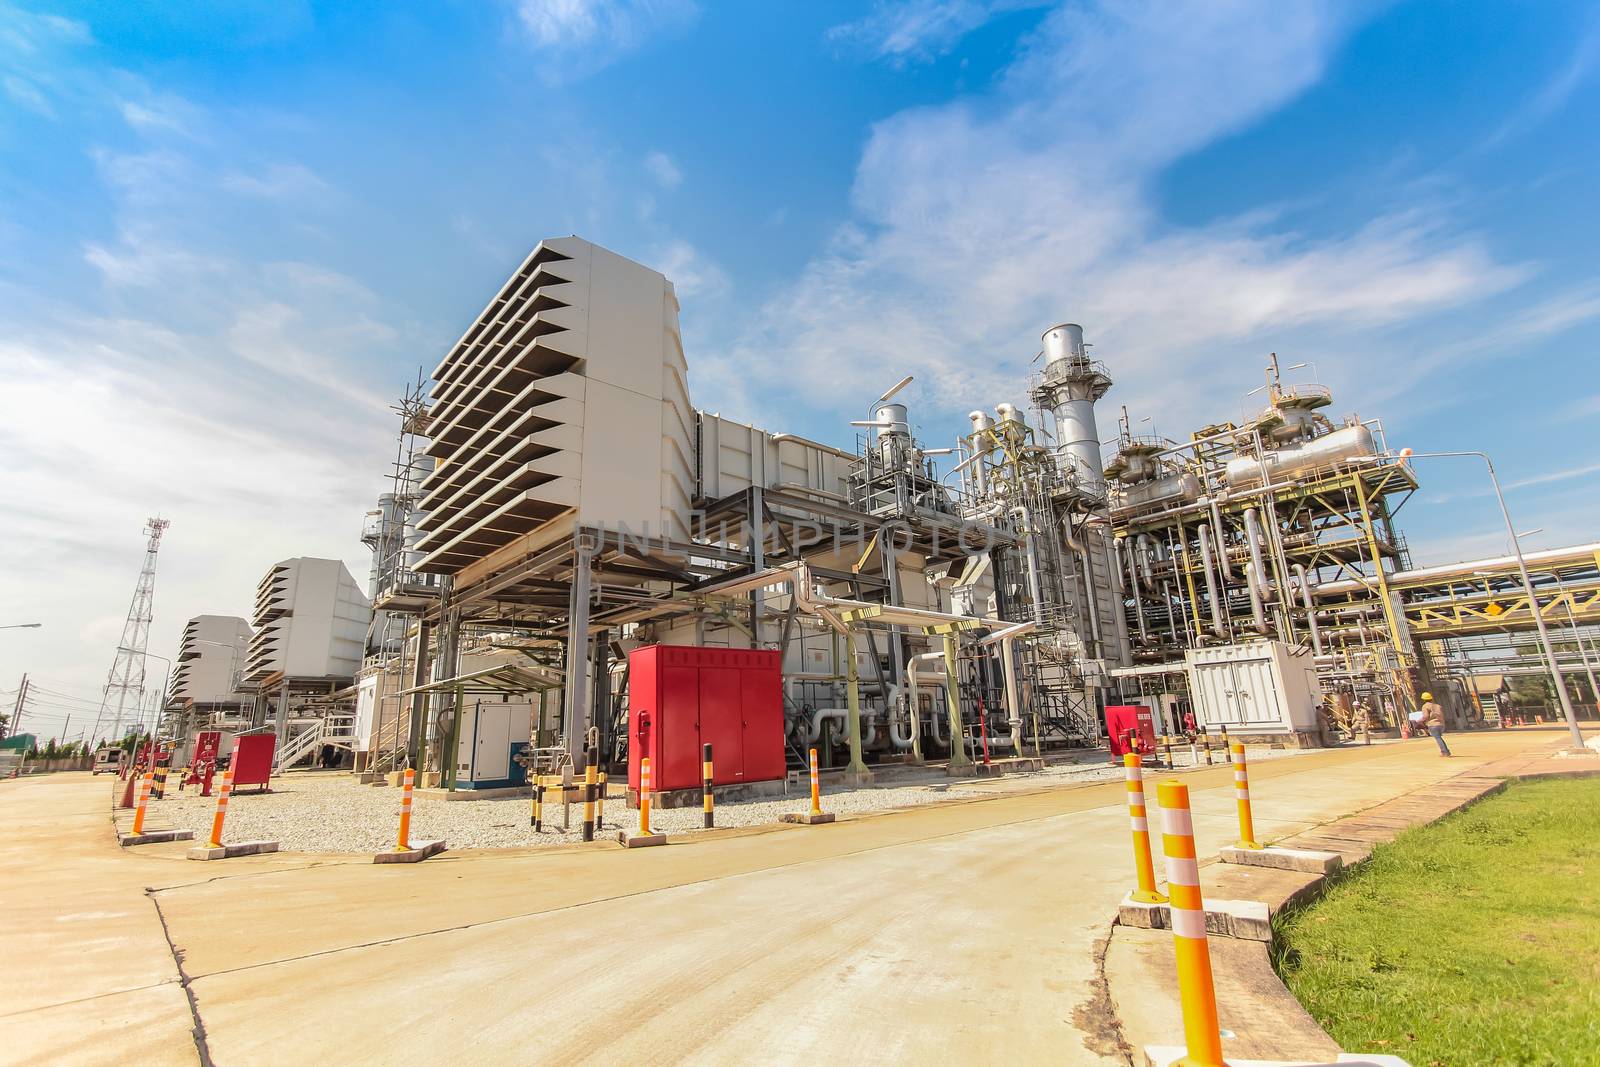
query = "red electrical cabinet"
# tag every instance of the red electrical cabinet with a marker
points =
(681, 697)
(1125, 720)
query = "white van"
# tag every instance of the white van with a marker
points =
(107, 758)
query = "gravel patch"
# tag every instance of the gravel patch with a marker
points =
(328, 811)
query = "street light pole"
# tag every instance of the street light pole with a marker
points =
(1527, 585)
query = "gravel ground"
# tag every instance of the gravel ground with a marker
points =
(328, 811)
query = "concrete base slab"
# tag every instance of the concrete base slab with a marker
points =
(961, 770)
(1247, 920)
(1168, 1055)
(1285, 859)
(226, 852)
(151, 837)
(808, 819)
(861, 777)
(627, 840)
(419, 851)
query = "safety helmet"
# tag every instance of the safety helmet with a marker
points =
(1427, 696)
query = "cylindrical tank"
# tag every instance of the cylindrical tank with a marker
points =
(1007, 412)
(892, 418)
(1075, 384)
(1340, 446)
(981, 421)
(1063, 342)
(1171, 489)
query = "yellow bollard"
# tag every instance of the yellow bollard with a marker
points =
(145, 785)
(404, 842)
(222, 807)
(1202, 1032)
(1143, 865)
(538, 804)
(644, 796)
(600, 803)
(160, 790)
(706, 801)
(591, 781)
(816, 786)
(1241, 793)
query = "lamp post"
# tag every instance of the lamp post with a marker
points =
(1527, 582)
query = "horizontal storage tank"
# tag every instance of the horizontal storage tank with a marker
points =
(1173, 489)
(1340, 446)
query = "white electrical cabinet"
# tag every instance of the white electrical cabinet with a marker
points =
(1256, 688)
(492, 732)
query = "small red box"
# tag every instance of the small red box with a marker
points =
(1123, 721)
(681, 697)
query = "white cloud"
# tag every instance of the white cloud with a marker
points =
(663, 170)
(922, 29)
(981, 222)
(691, 273)
(277, 181)
(580, 37)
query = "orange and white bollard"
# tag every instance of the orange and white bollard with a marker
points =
(816, 786)
(1241, 793)
(644, 797)
(1202, 1032)
(145, 785)
(1143, 865)
(404, 843)
(222, 807)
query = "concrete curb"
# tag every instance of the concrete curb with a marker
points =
(1285, 859)
(1138, 971)
(807, 820)
(627, 840)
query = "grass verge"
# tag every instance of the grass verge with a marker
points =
(1472, 941)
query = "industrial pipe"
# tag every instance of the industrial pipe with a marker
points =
(1258, 612)
(1133, 579)
(1211, 583)
(1311, 611)
(1252, 536)
(1006, 638)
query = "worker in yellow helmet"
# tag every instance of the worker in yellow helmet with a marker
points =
(1433, 719)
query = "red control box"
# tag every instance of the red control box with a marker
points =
(1124, 722)
(681, 697)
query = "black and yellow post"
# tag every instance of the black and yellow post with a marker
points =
(705, 786)
(1166, 742)
(161, 782)
(1205, 739)
(538, 804)
(600, 804)
(591, 782)
(1227, 746)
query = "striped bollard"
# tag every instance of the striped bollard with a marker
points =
(591, 779)
(1143, 865)
(404, 842)
(1202, 1032)
(816, 786)
(600, 803)
(146, 783)
(706, 800)
(538, 804)
(160, 791)
(223, 793)
(644, 797)
(1241, 793)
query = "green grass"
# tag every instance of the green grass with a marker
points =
(1472, 941)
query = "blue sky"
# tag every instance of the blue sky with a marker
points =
(229, 234)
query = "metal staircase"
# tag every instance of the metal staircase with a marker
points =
(336, 729)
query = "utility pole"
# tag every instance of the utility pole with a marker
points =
(127, 670)
(16, 712)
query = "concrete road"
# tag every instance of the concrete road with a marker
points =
(965, 930)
